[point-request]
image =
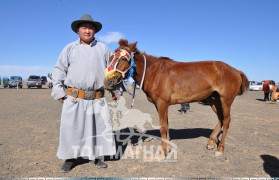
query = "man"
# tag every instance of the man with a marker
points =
(85, 129)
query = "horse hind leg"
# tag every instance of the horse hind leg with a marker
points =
(226, 124)
(213, 139)
(222, 108)
(215, 103)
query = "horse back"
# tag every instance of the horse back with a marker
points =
(195, 81)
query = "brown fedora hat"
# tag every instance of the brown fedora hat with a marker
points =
(86, 18)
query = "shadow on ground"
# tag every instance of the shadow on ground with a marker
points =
(183, 133)
(132, 135)
(271, 165)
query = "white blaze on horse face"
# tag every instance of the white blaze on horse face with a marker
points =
(122, 53)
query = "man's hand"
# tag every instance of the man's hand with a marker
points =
(61, 100)
(115, 95)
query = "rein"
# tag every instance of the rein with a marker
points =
(110, 72)
(144, 70)
(141, 83)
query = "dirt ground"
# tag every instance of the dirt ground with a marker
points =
(29, 135)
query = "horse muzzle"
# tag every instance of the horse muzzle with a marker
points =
(110, 84)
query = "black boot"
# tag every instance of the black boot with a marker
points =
(100, 163)
(68, 165)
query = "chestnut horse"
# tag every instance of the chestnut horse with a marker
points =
(166, 82)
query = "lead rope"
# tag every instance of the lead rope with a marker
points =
(141, 84)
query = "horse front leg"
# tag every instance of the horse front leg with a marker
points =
(162, 108)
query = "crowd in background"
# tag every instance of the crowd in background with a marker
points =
(271, 92)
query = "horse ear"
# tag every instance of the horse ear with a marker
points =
(123, 42)
(133, 46)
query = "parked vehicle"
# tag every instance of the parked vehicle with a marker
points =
(15, 82)
(34, 81)
(252, 82)
(256, 86)
(44, 80)
(6, 82)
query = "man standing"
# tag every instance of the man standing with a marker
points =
(85, 129)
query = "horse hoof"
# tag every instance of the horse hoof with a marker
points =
(217, 153)
(210, 147)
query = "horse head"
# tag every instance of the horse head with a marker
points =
(120, 64)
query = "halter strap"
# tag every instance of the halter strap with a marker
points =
(141, 83)
(110, 71)
(144, 70)
(112, 68)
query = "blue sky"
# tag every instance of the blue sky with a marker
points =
(242, 33)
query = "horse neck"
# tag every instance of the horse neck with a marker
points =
(139, 61)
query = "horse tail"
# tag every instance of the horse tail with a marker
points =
(244, 83)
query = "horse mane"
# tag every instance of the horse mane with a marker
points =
(123, 42)
(165, 58)
(152, 57)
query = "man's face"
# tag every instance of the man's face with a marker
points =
(86, 33)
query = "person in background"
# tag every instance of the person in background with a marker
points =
(184, 108)
(276, 95)
(266, 90)
(78, 76)
(272, 89)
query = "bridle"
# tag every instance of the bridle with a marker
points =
(111, 70)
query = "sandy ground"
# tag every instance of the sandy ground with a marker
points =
(29, 134)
